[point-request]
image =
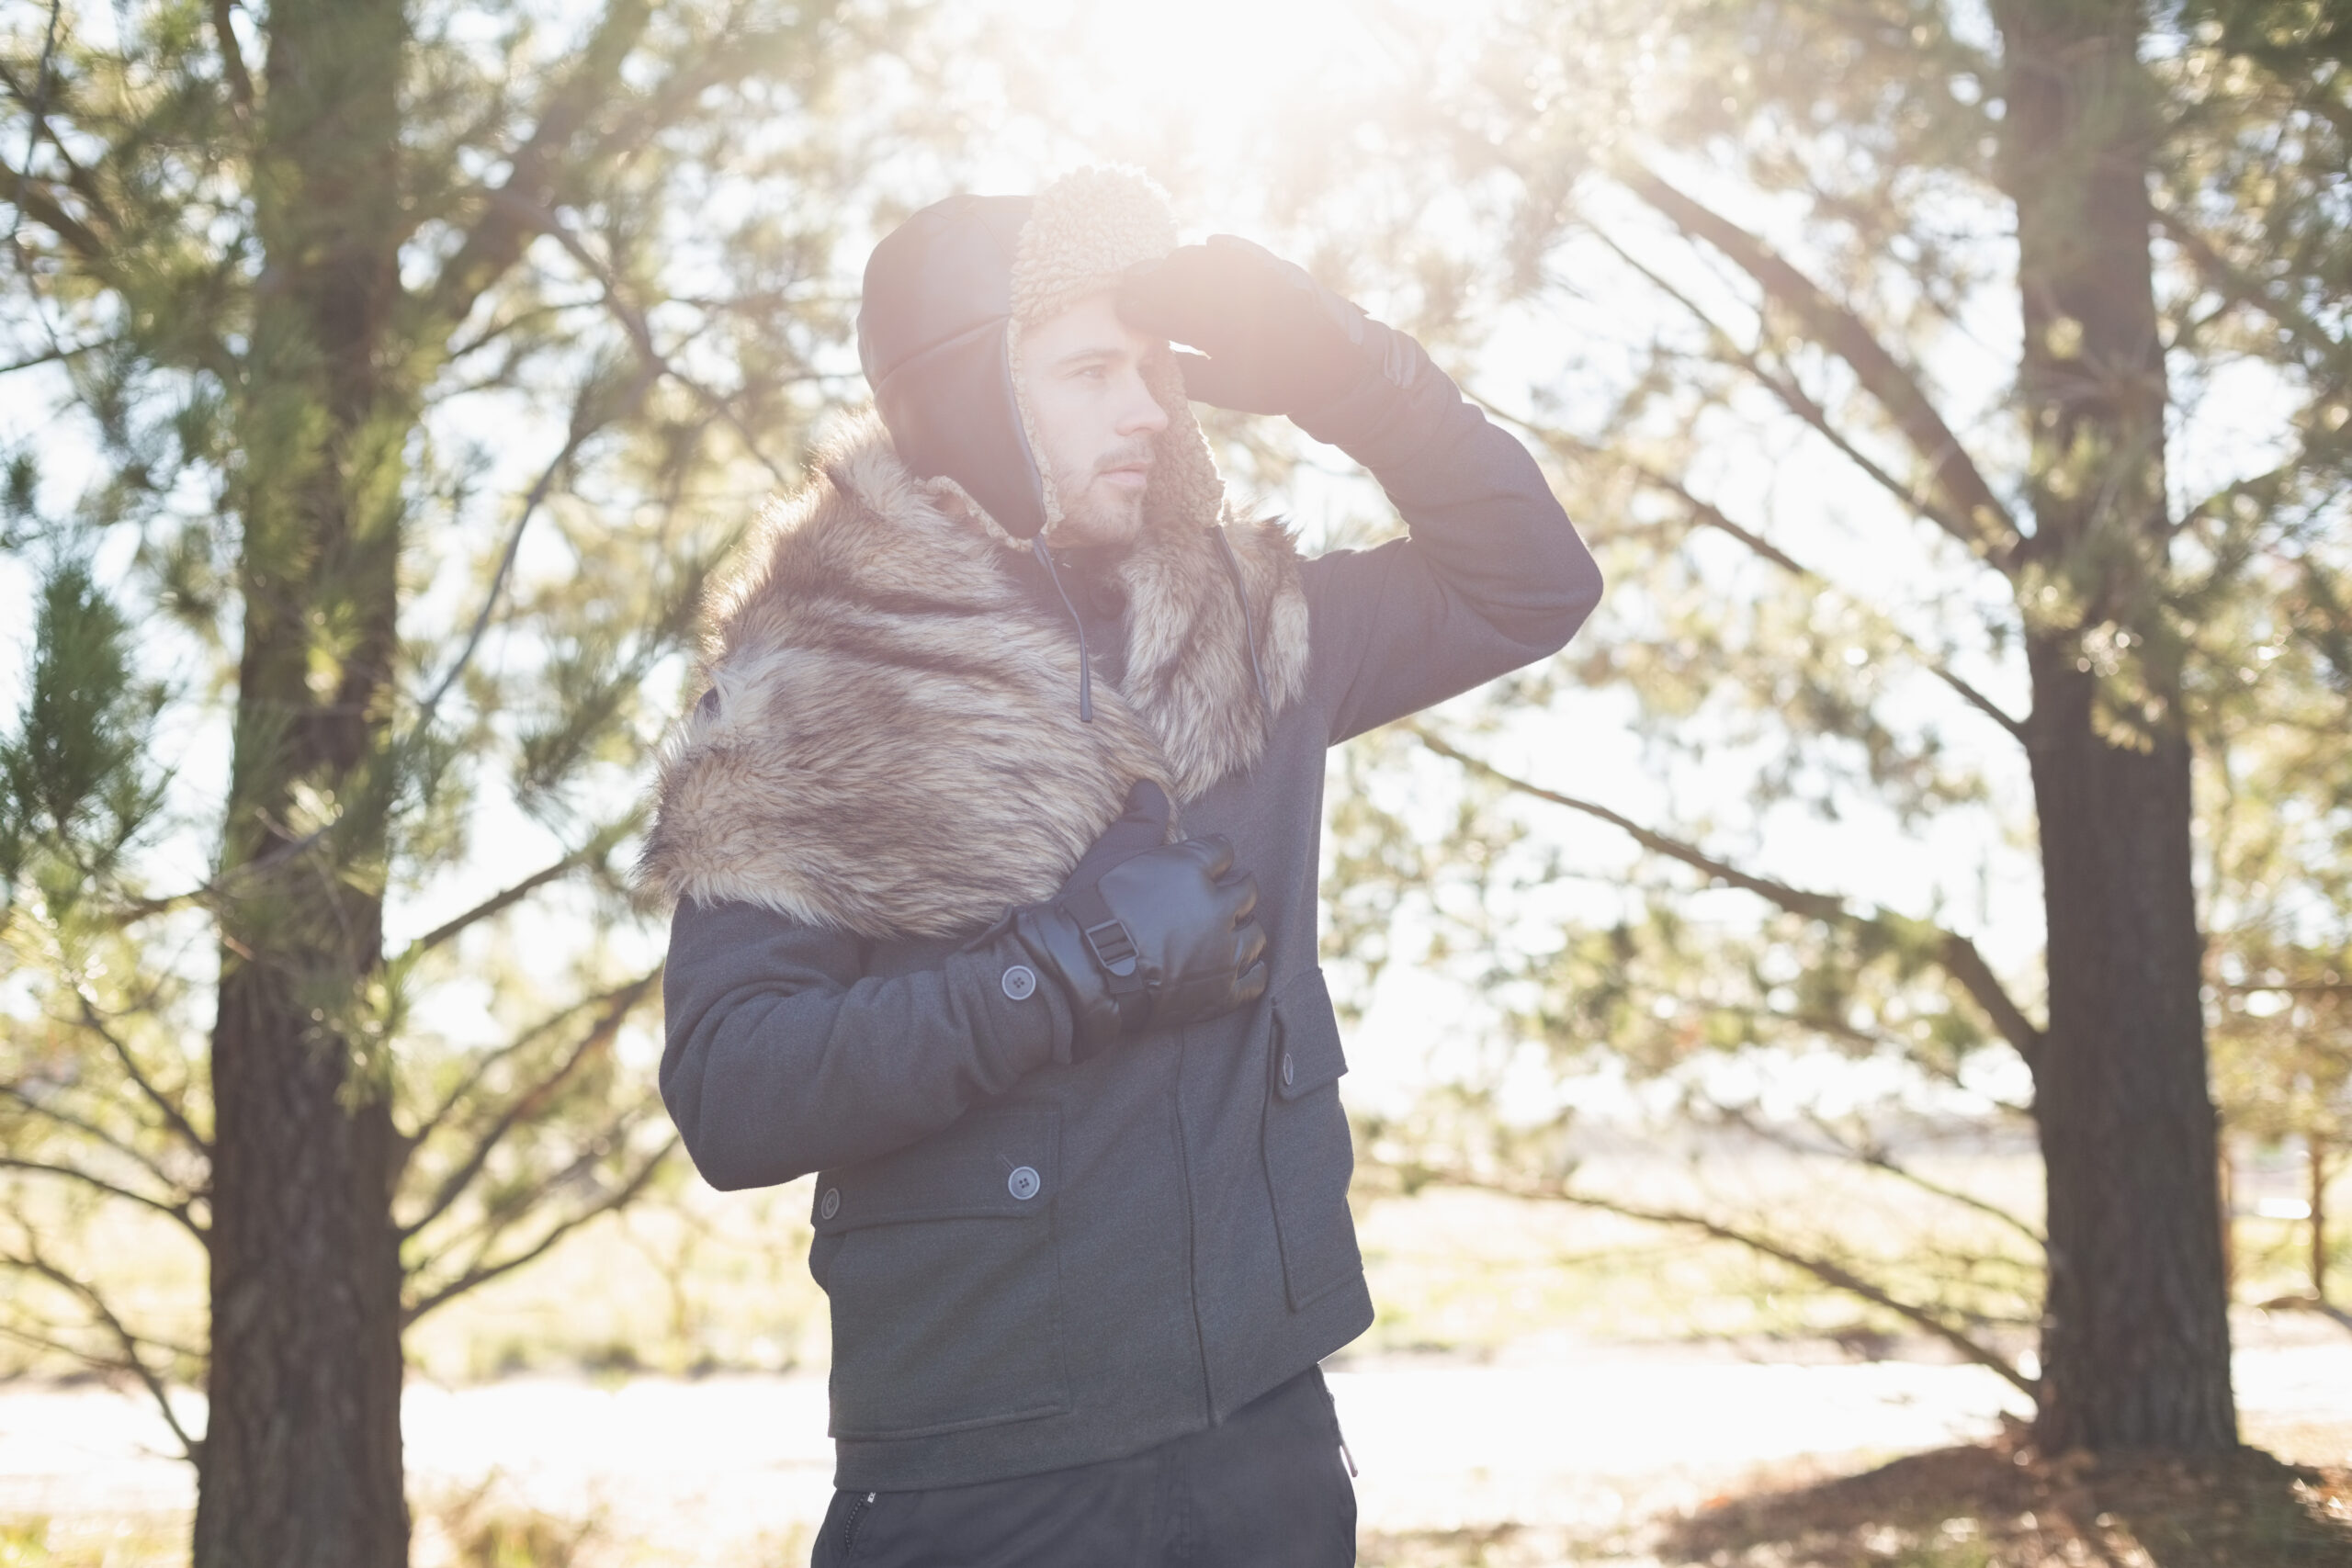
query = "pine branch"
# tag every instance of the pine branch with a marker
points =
(1875, 1155)
(179, 1204)
(505, 898)
(1972, 513)
(1842, 1029)
(2237, 287)
(481, 1234)
(641, 335)
(1790, 394)
(488, 1061)
(57, 355)
(582, 428)
(1955, 953)
(173, 1117)
(500, 235)
(1828, 1270)
(33, 1261)
(177, 1211)
(1708, 514)
(32, 199)
(88, 1128)
(232, 63)
(528, 1102)
(481, 1272)
(79, 180)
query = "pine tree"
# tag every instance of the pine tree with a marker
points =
(406, 367)
(1963, 274)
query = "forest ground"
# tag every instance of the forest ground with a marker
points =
(1546, 1386)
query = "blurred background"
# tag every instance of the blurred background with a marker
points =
(1956, 393)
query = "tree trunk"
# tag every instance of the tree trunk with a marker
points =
(302, 1455)
(301, 1461)
(2135, 1334)
(2135, 1348)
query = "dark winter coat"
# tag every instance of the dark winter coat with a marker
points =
(1035, 1264)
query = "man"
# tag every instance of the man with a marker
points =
(994, 846)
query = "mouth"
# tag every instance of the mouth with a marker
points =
(1128, 475)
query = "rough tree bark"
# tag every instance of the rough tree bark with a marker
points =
(2136, 1346)
(301, 1462)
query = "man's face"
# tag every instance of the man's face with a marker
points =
(1081, 374)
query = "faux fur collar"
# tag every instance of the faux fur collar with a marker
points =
(890, 742)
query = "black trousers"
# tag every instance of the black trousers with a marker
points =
(1268, 1488)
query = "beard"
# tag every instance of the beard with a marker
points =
(1099, 514)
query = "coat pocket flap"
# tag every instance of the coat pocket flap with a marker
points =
(1307, 1037)
(988, 1164)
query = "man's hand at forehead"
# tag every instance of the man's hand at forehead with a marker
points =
(1276, 341)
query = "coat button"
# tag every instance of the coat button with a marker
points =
(1023, 1183)
(831, 1205)
(1019, 982)
(1290, 1070)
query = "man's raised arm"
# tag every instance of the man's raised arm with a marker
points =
(1492, 575)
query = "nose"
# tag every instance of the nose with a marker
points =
(1139, 412)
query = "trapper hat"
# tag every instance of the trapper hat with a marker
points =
(947, 294)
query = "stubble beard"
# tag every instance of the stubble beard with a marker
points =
(1098, 516)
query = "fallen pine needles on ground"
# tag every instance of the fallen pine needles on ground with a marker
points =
(2002, 1506)
(1992, 1506)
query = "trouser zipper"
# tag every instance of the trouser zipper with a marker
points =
(855, 1518)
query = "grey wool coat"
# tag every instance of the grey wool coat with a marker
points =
(1032, 1263)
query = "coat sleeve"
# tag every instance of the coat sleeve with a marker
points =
(783, 1056)
(1491, 577)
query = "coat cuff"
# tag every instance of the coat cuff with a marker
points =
(1024, 1021)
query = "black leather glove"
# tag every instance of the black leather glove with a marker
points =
(1146, 934)
(1278, 342)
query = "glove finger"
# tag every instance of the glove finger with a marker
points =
(1249, 946)
(1147, 804)
(1240, 266)
(1251, 986)
(1214, 855)
(1240, 895)
(1175, 296)
(1221, 384)
(1142, 825)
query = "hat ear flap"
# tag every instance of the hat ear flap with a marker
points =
(1185, 487)
(933, 337)
(1049, 495)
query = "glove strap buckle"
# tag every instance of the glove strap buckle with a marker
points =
(1113, 949)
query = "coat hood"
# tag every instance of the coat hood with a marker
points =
(947, 294)
(888, 746)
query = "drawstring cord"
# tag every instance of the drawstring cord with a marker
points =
(1249, 623)
(1085, 664)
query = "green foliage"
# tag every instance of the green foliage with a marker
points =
(394, 377)
(76, 786)
(1775, 245)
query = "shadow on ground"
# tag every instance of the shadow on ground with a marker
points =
(1997, 1505)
